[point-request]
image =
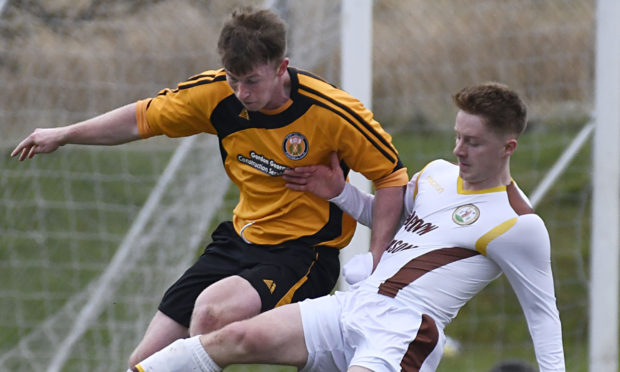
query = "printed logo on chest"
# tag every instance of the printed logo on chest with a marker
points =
(263, 164)
(295, 146)
(431, 181)
(399, 245)
(412, 224)
(416, 225)
(244, 114)
(465, 214)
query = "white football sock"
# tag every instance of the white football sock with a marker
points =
(180, 356)
(200, 355)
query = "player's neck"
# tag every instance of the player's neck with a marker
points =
(498, 179)
(281, 93)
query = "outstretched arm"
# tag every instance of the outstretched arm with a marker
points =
(112, 128)
(524, 254)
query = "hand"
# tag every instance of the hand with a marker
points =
(40, 141)
(323, 181)
(358, 268)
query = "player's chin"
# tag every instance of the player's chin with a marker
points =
(252, 106)
(466, 174)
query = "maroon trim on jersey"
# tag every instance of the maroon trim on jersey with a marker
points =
(518, 204)
(420, 265)
(422, 346)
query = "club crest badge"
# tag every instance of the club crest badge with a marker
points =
(465, 214)
(295, 146)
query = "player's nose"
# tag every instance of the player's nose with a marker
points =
(459, 149)
(243, 91)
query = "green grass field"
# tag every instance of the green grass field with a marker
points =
(34, 274)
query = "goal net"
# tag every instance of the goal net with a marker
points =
(90, 237)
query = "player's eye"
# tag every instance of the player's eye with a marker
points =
(473, 143)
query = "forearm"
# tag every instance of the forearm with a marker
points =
(386, 213)
(355, 203)
(112, 128)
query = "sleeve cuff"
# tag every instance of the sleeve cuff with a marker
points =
(394, 179)
(144, 129)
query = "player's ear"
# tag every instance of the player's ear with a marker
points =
(282, 67)
(510, 146)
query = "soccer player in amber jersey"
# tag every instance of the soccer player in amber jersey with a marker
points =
(463, 226)
(282, 245)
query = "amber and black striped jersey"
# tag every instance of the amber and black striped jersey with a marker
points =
(257, 146)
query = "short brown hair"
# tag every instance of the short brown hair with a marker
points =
(251, 37)
(501, 107)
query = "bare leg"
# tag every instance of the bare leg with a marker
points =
(358, 369)
(273, 337)
(224, 302)
(160, 333)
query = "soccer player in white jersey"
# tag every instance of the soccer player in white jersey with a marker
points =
(463, 226)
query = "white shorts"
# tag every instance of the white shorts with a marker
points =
(371, 331)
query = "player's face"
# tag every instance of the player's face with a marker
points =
(260, 88)
(482, 154)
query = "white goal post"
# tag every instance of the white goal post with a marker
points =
(604, 266)
(356, 61)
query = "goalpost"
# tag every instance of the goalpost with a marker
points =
(356, 78)
(604, 264)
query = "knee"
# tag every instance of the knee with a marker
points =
(205, 318)
(243, 337)
(224, 302)
(139, 354)
(135, 358)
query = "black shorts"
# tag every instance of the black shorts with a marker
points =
(299, 272)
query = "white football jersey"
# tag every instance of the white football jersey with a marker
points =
(453, 242)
